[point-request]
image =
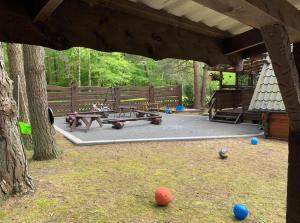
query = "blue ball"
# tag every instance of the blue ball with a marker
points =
(254, 141)
(240, 211)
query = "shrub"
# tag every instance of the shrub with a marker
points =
(188, 100)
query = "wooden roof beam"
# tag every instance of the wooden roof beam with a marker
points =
(242, 42)
(260, 13)
(47, 10)
(102, 25)
(285, 67)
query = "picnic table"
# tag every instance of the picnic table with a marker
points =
(124, 108)
(87, 119)
(103, 114)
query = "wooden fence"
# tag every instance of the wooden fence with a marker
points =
(68, 99)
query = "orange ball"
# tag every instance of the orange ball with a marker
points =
(163, 196)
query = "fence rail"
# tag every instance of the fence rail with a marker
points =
(69, 99)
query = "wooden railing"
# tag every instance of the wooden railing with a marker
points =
(69, 99)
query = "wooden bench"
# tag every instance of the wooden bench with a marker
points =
(118, 123)
(140, 114)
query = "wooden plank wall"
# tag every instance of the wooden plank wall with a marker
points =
(66, 99)
(233, 98)
(276, 125)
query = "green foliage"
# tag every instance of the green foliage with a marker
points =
(111, 69)
(188, 100)
(189, 90)
(229, 78)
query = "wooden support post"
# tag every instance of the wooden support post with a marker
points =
(279, 48)
(221, 80)
(117, 99)
(296, 53)
(151, 94)
(237, 75)
(266, 123)
(74, 97)
(239, 68)
(251, 80)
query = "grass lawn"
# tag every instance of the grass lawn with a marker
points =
(116, 183)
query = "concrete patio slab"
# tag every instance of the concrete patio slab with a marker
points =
(174, 127)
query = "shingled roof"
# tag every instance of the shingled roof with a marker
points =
(267, 96)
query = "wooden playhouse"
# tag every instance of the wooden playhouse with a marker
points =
(268, 100)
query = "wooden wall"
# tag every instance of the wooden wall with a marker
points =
(69, 99)
(233, 98)
(276, 125)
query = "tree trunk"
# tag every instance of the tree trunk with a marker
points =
(14, 177)
(66, 64)
(196, 66)
(146, 70)
(16, 65)
(204, 86)
(49, 76)
(55, 68)
(44, 145)
(90, 77)
(79, 68)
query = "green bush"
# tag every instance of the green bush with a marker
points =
(188, 100)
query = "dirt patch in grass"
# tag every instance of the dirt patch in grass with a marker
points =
(116, 183)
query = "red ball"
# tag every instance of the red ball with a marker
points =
(163, 196)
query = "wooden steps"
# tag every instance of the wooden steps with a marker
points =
(226, 117)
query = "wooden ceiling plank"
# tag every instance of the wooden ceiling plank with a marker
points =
(146, 12)
(259, 13)
(47, 10)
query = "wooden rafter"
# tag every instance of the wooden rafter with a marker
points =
(242, 42)
(259, 13)
(47, 10)
(254, 51)
(146, 12)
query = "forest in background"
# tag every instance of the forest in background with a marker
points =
(89, 67)
(95, 68)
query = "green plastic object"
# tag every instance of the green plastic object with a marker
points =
(25, 128)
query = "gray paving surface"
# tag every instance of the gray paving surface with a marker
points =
(173, 126)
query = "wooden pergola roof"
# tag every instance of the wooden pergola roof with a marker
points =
(212, 31)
